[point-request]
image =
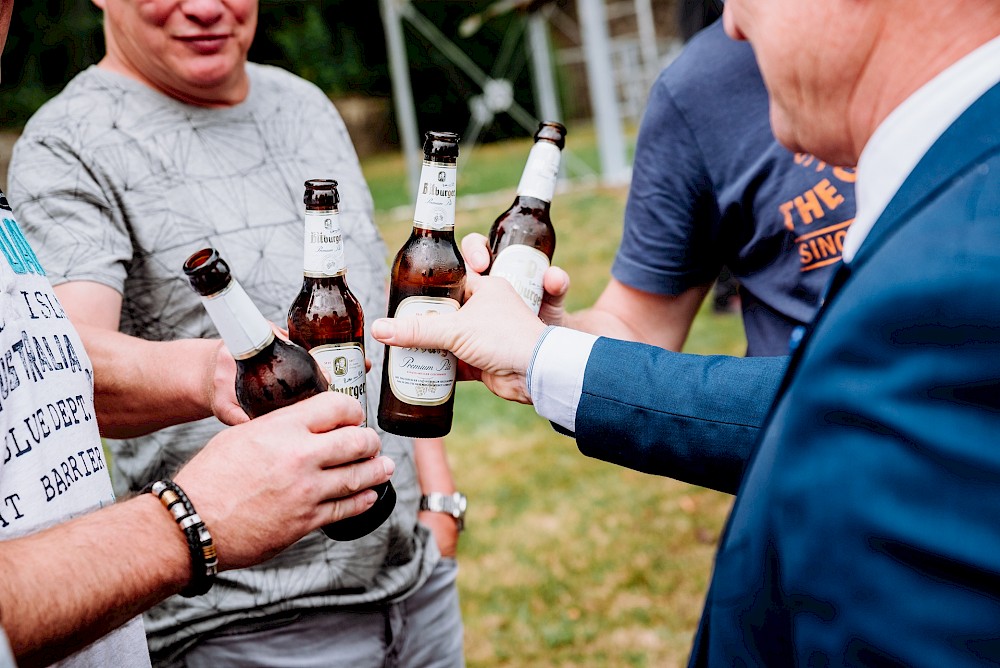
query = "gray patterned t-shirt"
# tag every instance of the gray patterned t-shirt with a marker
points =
(118, 184)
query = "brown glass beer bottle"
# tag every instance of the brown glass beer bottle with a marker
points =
(270, 373)
(325, 317)
(428, 278)
(522, 239)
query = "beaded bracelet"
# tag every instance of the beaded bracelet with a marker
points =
(204, 560)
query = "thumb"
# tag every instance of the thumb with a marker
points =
(556, 287)
(476, 251)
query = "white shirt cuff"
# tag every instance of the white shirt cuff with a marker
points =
(555, 375)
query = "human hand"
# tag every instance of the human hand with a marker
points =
(221, 388)
(555, 283)
(493, 334)
(444, 529)
(262, 485)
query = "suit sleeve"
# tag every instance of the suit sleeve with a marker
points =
(690, 417)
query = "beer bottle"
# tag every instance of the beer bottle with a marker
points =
(326, 318)
(270, 373)
(522, 239)
(428, 278)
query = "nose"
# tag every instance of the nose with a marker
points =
(203, 12)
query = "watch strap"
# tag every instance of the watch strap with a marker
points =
(450, 504)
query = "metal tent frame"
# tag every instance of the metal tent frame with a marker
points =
(496, 94)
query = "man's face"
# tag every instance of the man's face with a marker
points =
(812, 55)
(194, 50)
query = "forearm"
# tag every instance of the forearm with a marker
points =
(141, 386)
(69, 585)
(597, 321)
(624, 313)
(434, 474)
(433, 470)
(689, 417)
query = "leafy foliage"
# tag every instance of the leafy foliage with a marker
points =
(337, 44)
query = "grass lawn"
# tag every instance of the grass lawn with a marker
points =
(566, 561)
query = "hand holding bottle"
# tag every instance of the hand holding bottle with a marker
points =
(286, 473)
(476, 251)
(271, 372)
(493, 334)
(220, 388)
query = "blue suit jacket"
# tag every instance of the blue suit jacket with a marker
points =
(866, 528)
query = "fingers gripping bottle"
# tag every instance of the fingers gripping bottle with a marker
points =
(428, 278)
(270, 373)
(522, 239)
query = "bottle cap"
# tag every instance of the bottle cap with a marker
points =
(321, 194)
(438, 145)
(553, 132)
(207, 272)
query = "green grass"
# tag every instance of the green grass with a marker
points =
(566, 561)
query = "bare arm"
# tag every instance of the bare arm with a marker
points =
(435, 476)
(255, 495)
(622, 312)
(142, 386)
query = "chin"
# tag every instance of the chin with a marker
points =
(802, 137)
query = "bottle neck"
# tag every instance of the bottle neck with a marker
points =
(435, 207)
(528, 202)
(323, 244)
(541, 172)
(419, 231)
(242, 326)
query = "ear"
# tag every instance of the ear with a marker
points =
(99, 4)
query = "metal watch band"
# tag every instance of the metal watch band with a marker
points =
(450, 504)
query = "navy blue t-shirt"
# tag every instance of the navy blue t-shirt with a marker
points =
(712, 187)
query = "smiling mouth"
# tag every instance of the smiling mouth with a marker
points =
(202, 38)
(204, 44)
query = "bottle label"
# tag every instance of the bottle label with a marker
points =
(324, 245)
(524, 268)
(435, 208)
(241, 325)
(417, 375)
(541, 172)
(345, 364)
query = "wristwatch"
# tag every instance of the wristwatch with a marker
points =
(451, 504)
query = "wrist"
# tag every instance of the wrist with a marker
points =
(452, 504)
(204, 561)
(172, 552)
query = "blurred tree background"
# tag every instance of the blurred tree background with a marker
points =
(337, 44)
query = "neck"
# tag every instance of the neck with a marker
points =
(228, 95)
(912, 49)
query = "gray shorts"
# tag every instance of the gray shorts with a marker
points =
(423, 631)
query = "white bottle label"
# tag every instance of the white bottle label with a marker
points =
(345, 364)
(541, 172)
(416, 375)
(524, 268)
(324, 245)
(240, 323)
(435, 208)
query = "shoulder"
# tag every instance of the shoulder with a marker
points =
(714, 91)
(275, 80)
(79, 100)
(710, 64)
